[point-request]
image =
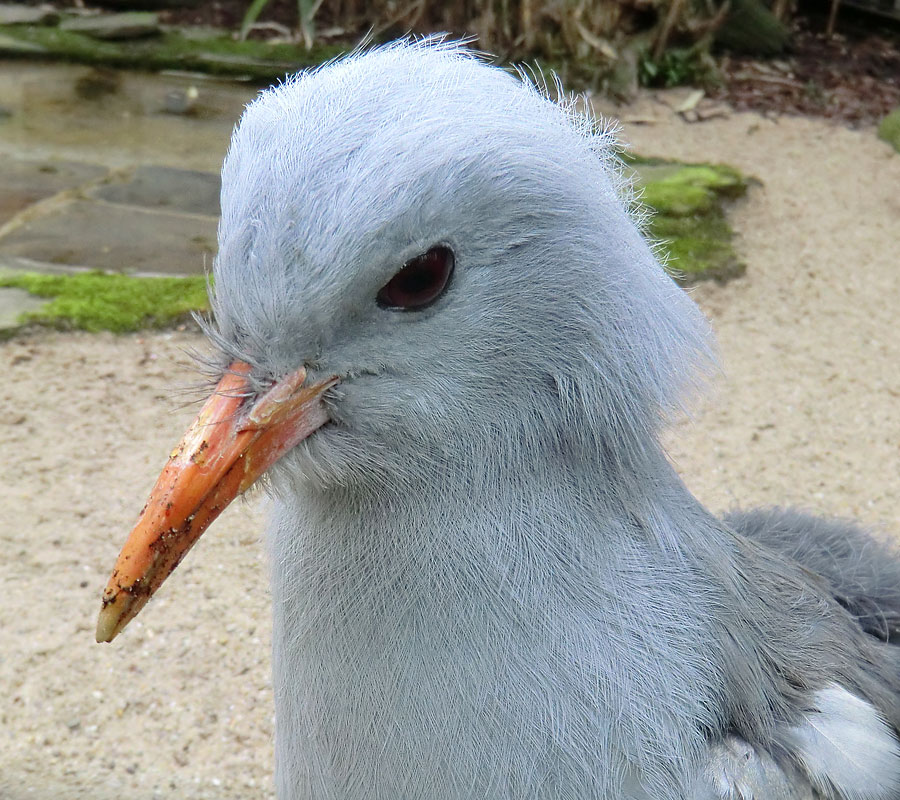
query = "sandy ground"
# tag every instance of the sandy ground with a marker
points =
(808, 412)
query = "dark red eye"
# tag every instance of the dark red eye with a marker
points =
(420, 282)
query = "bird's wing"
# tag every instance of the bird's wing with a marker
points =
(862, 572)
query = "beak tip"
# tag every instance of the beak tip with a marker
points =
(106, 628)
(115, 614)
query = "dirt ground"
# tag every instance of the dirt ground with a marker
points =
(853, 76)
(807, 412)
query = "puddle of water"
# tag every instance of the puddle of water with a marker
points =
(115, 118)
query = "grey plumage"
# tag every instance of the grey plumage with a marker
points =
(488, 581)
(862, 571)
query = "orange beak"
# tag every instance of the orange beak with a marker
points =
(230, 444)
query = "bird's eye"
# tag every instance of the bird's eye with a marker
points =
(421, 281)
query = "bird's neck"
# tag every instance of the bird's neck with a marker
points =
(423, 651)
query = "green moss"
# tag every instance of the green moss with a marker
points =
(720, 178)
(95, 301)
(889, 129)
(698, 248)
(66, 44)
(689, 217)
(678, 199)
(219, 55)
(688, 189)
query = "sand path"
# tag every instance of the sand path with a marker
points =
(808, 412)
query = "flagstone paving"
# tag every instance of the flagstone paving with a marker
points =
(178, 190)
(116, 238)
(25, 183)
(109, 171)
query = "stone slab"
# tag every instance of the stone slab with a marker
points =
(166, 188)
(13, 303)
(126, 25)
(9, 45)
(15, 14)
(26, 182)
(116, 238)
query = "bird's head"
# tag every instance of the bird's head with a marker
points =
(426, 269)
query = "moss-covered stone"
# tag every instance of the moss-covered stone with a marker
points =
(689, 217)
(698, 248)
(889, 129)
(678, 199)
(97, 301)
(216, 54)
(725, 181)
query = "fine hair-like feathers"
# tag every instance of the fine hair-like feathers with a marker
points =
(488, 581)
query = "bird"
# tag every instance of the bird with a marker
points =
(443, 341)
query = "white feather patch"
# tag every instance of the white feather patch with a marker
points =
(847, 748)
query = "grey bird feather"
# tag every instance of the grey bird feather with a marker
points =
(488, 581)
